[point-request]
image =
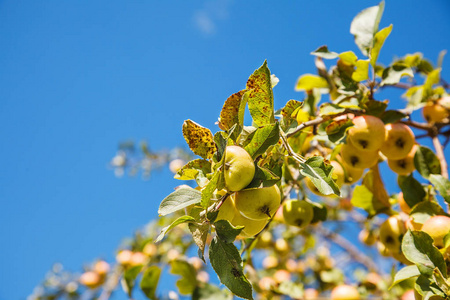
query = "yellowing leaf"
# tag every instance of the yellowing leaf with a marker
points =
(259, 96)
(362, 70)
(199, 139)
(432, 79)
(308, 82)
(348, 57)
(232, 111)
(378, 42)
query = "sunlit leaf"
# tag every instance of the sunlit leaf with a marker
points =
(308, 82)
(405, 273)
(394, 73)
(199, 139)
(426, 162)
(323, 52)
(180, 220)
(188, 281)
(149, 281)
(362, 71)
(320, 174)
(181, 198)
(262, 139)
(232, 111)
(442, 185)
(378, 42)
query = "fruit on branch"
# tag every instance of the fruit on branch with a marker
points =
(281, 276)
(239, 168)
(258, 204)
(367, 237)
(391, 232)
(399, 141)
(281, 246)
(434, 112)
(267, 283)
(352, 174)
(383, 250)
(227, 211)
(270, 262)
(90, 279)
(124, 257)
(297, 213)
(404, 166)
(310, 294)
(345, 292)
(251, 227)
(138, 259)
(175, 165)
(101, 267)
(150, 249)
(264, 240)
(412, 225)
(356, 158)
(368, 134)
(403, 205)
(437, 227)
(338, 176)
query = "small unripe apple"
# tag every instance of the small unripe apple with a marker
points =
(358, 159)
(251, 227)
(310, 294)
(368, 134)
(239, 168)
(281, 246)
(291, 265)
(399, 141)
(408, 295)
(138, 259)
(434, 113)
(258, 204)
(391, 232)
(124, 257)
(101, 268)
(196, 262)
(270, 262)
(150, 249)
(345, 292)
(281, 275)
(437, 227)
(297, 213)
(367, 237)
(267, 283)
(173, 254)
(203, 276)
(404, 166)
(90, 279)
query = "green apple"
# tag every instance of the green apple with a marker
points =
(437, 227)
(356, 158)
(345, 292)
(368, 134)
(297, 213)
(404, 166)
(239, 168)
(258, 204)
(399, 141)
(227, 210)
(391, 232)
(251, 227)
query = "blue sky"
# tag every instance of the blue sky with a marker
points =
(78, 77)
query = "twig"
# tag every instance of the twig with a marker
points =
(417, 125)
(349, 247)
(288, 148)
(440, 155)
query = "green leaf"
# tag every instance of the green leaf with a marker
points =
(432, 78)
(378, 42)
(375, 108)
(320, 212)
(209, 292)
(365, 25)
(199, 139)
(442, 185)
(362, 71)
(149, 281)
(417, 246)
(426, 162)
(291, 289)
(307, 82)
(393, 74)
(260, 96)
(199, 235)
(226, 231)
(221, 140)
(320, 174)
(181, 198)
(232, 111)
(227, 263)
(391, 116)
(287, 113)
(440, 281)
(427, 288)
(405, 273)
(129, 279)
(413, 191)
(208, 190)
(263, 178)
(188, 281)
(262, 139)
(424, 210)
(336, 130)
(323, 52)
(194, 170)
(330, 109)
(180, 220)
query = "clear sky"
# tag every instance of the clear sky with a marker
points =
(77, 77)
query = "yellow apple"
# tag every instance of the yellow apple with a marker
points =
(264, 240)
(402, 203)
(356, 158)
(90, 279)
(437, 227)
(345, 292)
(383, 250)
(270, 262)
(227, 210)
(267, 283)
(310, 294)
(352, 174)
(239, 168)
(101, 268)
(251, 227)
(391, 232)
(297, 213)
(399, 141)
(434, 112)
(367, 237)
(281, 246)
(138, 259)
(281, 275)
(404, 166)
(258, 204)
(368, 134)
(124, 257)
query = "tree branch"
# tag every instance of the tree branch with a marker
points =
(349, 247)
(440, 155)
(423, 126)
